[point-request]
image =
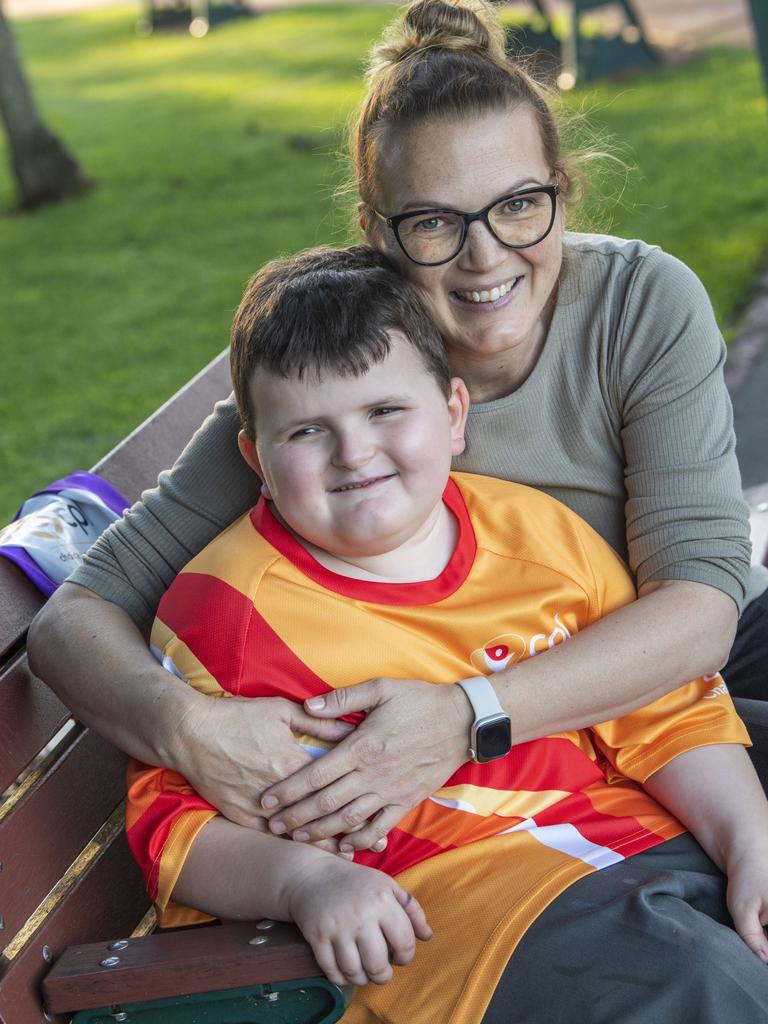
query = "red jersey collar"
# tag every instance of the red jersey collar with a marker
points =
(427, 592)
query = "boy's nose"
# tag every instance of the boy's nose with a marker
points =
(353, 449)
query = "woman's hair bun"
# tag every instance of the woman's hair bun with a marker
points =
(446, 25)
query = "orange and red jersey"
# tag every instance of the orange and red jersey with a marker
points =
(255, 615)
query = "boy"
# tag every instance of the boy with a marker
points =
(364, 557)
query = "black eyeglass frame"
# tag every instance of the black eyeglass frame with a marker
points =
(553, 191)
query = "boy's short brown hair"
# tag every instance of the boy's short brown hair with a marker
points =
(327, 309)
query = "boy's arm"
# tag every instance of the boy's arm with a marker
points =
(716, 794)
(351, 915)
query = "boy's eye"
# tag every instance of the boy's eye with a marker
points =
(386, 410)
(303, 432)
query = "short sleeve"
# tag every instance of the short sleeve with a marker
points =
(685, 516)
(133, 563)
(698, 714)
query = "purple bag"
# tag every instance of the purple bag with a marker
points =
(55, 527)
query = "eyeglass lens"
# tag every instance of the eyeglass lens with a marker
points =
(518, 221)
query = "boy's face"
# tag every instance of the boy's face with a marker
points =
(357, 465)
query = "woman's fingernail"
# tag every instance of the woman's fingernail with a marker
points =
(346, 848)
(269, 802)
(277, 827)
(347, 727)
(301, 837)
(316, 703)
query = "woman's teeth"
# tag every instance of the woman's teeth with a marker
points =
(488, 296)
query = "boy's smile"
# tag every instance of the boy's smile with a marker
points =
(356, 466)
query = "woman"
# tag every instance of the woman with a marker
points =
(595, 367)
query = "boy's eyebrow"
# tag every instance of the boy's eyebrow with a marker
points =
(304, 421)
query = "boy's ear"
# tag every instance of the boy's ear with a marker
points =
(248, 451)
(458, 409)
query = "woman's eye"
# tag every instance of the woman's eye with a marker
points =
(516, 205)
(429, 224)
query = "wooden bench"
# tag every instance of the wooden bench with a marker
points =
(66, 875)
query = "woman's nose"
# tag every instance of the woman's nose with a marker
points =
(481, 249)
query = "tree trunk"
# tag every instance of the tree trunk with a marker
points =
(43, 169)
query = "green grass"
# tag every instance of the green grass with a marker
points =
(213, 155)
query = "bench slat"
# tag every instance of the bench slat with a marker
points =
(177, 963)
(30, 715)
(19, 603)
(51, 826)
(110, 900)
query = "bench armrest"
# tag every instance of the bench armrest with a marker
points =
(170, 964)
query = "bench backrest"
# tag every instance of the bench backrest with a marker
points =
(66, 875)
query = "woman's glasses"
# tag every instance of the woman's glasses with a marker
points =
(432, 237)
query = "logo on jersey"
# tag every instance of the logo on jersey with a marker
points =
(499, 653)
(503, 651)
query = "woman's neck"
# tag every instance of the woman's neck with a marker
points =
(493, 375)
(422, 557)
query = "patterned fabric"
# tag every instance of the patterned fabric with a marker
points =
(254, 615)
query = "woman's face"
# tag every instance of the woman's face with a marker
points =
(465, 165)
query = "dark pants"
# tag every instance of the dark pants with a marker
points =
(746, 673)
(646, 941)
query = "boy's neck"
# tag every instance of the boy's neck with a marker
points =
(422, 557)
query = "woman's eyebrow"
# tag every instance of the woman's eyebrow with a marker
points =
(529, 181)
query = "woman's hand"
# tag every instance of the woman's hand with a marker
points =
(414, 737)
(238, 746)
(358, 921)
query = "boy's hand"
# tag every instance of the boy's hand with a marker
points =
(358, 921)
(747, 899)
(414, 737)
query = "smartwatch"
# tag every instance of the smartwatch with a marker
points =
(490, 736)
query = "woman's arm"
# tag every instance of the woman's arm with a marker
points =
(673, 633)
(95, 658)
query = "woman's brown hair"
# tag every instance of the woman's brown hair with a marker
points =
(444, 59)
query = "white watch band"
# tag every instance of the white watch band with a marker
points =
(482, 696)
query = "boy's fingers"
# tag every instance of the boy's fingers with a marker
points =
(326, 959)
(374, 956)
(757, 943)
(347, 957)
(415, 913)
(749, 925)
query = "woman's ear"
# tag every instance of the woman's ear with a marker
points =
(458, 409)
(364, 218)
(248, 450)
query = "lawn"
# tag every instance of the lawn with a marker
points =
(213, 155)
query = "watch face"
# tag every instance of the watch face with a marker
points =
(493, 739)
